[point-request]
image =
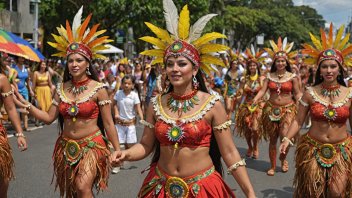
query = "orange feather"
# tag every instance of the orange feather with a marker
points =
(279, 43)
(323, 38)
(330, 36)
(91, 33)
(69, 32)
(84, 27)
(97, 41)
(347, 51)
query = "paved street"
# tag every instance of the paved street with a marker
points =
(34, 171)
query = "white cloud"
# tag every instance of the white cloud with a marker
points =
(337, 11)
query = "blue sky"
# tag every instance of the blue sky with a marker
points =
(337, 11)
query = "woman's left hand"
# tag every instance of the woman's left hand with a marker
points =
(22, 143)
(114, 158)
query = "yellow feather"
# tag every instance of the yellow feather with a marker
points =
(99, 56)
(211, 60)
(99, 47)
(60, 54)
(310, 61)
(60, 40)
(270, 52)
(274, 46)
(206, 68)
(54, 45)
(183, 24)
(62, 31)
(339, 36)
(208, 48)
(153, 52)
(160, 33)
(316, 42)
(155, 41)
(348, 62)
(157, 60)
(344, 42)
(206, 38)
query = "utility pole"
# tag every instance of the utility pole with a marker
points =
(36, 18)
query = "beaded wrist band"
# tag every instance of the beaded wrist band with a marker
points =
(236, 165)
(303, 103)
(20, 135)
(147, 124)
(288, 140)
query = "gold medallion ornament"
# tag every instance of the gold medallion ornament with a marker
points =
(176, 188)
(182, 39)
(72, 152)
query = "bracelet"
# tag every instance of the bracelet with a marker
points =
(224, 125)
(303, 103)
(147, 124)
(17, 135)
(286, 139)
(236, 165)
(28, 106)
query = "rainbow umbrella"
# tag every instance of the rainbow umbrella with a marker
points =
(26, 48)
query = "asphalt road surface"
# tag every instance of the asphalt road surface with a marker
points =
(33, 171)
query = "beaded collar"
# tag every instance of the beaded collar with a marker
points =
(64, 98)
(205, 107)
(321, 100)
(290, 77)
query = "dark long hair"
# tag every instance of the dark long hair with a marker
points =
(274, 69)
(214, 151)
(340, 80)
(248, 73)
(46, 68)
(93, 76)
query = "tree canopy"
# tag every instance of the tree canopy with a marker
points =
(245, 19)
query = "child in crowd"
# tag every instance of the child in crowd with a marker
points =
(126, 104)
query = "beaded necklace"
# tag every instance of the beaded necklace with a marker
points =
(330, 90)
(182, 103)
(77, 87)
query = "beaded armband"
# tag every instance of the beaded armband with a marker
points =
(104, 102)
(54, 102)
(224, 125)
(7, 93)
(147, 124)
(303, 103)
(236, 165)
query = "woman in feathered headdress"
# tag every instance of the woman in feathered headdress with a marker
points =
(280, 109)
(186, 127)
(81, 156)
(6, 160)
(247, 117)
(324, 153)
(232, 82)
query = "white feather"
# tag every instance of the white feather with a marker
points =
(171, 17)
(284, 43)
(289, 47)
(197, 28)
(86, 33)
(77, 22)
(252, 50)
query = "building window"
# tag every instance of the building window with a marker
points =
(31, 7)
(11, 5)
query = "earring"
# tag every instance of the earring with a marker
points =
(88, 72)
(195, 83)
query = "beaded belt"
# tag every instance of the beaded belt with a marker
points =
(276, 112)
(74, 149)
(126, 122)
(176, 186)
(326, 154)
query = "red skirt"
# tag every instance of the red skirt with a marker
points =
(6, 160)
(75, 157)
(206, 183)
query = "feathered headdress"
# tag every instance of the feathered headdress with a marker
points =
(234, 55)
(327, 48)
(281, 50)
(184, 39)
(79, 39)
(251, 55)
(124, 61)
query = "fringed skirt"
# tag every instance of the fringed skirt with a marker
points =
(206, 183)
(247, 119)
(73, 158)
(6, 160)
(275, 118)
(320, 165)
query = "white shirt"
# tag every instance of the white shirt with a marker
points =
(113, 69)
(126, 104)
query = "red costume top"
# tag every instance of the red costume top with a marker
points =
(322, 110)
(281, 86)
(82, 108)
(188, 131)
(251, 88)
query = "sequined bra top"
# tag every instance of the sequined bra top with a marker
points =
(83, 108)
(188, 131)
(336, 112)
(284, 86)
